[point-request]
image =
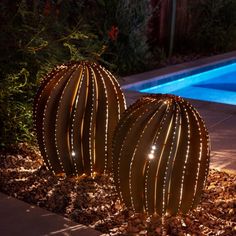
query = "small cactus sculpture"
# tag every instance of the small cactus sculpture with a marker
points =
(160, 155)
(76, 110)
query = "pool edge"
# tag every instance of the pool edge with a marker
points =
(149, 76)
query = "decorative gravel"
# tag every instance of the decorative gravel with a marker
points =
(94, 202)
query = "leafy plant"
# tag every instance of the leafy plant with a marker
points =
(37, 35)
(34, 38)
(214, 25)
(131, 48)
(16, 94)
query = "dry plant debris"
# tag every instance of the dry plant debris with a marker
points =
(94, 202)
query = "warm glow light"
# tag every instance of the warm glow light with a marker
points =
(76, 88)
(169, 153)
(150, 156)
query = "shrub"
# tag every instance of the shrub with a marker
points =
(34, 38)
(131, 48)
(213, 25)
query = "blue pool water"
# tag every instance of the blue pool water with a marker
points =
(211, 84)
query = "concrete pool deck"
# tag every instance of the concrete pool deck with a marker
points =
(220, 118)
(137, 79)
(20, 218)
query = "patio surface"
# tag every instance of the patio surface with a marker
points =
(20, 218)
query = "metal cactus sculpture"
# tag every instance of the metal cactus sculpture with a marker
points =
(76, 110)
(160, 155)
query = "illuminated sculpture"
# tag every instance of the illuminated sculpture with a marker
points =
(160, 155)
(76, 111)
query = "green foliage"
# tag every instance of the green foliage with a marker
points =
(214, 25)
(32, 42)
(16, 94)
(124, 51)
(131, 49)
(37, 35)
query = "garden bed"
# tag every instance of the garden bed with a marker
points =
(94, 202)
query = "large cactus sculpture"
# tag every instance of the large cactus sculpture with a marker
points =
(76, 110)
(160, 155)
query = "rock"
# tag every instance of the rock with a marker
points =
(158, 230)
(212, 186)
(137, 221)
(218, 190)
(93, 201)
(231, 212)
(143, 232)
(188, 221)
(225, 205)
(133, 229)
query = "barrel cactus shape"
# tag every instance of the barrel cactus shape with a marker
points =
(76, 110)
(160, 155)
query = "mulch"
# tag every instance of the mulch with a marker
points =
(94, 202)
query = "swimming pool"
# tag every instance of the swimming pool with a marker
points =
(214, 83)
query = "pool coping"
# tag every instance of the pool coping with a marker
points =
(168, 71)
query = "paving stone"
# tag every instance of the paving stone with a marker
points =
(20, 218)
